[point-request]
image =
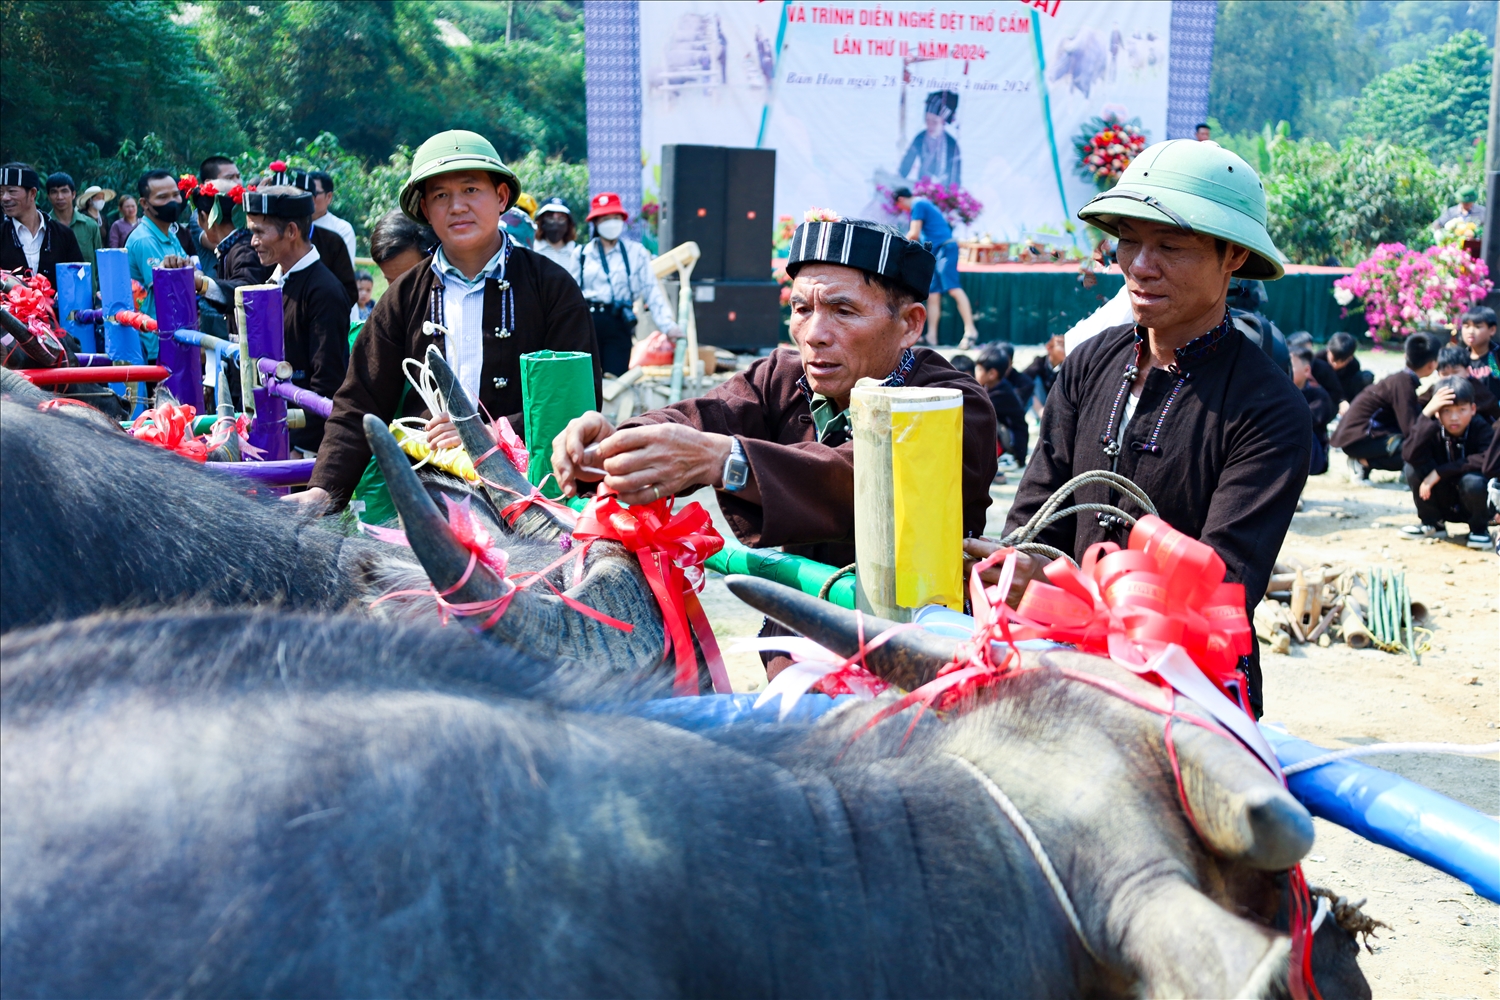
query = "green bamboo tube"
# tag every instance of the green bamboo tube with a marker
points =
(804, 574)
(1376, 626)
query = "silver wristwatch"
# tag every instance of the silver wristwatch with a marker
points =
(736, 467)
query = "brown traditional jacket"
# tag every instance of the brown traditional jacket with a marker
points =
(807, 487)
(1225, 464)
(550, 314)
(1388, 407)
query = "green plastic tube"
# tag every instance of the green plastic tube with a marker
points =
(800, 572)
(556, 386)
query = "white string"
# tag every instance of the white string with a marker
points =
(1466, 749)
(419, 374)
(1037, 851)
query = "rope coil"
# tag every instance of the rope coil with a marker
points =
(1023, 538)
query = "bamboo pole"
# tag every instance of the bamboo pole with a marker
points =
(908, 498)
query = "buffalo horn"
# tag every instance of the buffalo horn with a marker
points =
(441, 555)
(1243, 812)
(908, 659)
(534, 521)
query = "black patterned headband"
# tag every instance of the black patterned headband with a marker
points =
(862, 245)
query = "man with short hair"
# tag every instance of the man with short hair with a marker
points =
(221, 169)
(1180, 401)
(30, 240)
(157, 242)
(322, 191)
(85, 230)
(1437, 463)
(315, 312)
(335, 249)
(479, 299)
(775, 440)
(1381, 418)
(1319, 403)
(1202, 132)
(929, 225)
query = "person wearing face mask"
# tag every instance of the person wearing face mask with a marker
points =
(478, 298)
(614, 272)
(92, 202)
(557, 234)
(31, 241)
(157, 242)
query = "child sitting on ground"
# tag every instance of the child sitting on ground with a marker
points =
(1477, 328)
(1454, 360)
(1352, 379)
(1321, 404)
(1381, 418)
(1437, 457)
(991, 367)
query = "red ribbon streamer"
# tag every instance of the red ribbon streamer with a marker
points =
(169, 426)
(669, 547)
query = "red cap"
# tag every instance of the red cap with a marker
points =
(605, 203)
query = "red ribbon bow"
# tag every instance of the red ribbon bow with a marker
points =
(671, 549)
(170, 426)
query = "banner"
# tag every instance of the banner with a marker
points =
(859, 100)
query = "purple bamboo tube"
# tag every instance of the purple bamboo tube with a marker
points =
(94, 360)
(177, 306)
(295, 472)
(263, 339)
(305, 398)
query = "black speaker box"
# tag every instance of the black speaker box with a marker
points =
(749, 222)
(742, 316)
(693, 182)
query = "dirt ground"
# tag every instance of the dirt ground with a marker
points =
(1443, 940)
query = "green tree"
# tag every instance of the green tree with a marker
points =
(1406, 30)
(1440, 103)
(1303, 63)
(81, 78)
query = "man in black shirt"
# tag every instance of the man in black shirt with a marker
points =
(1382, 417)
(31, 241)
(1437, 457)
(1319, 402)
(1352, 380)
(315, 314)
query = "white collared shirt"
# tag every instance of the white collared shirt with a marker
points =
(31, 243)
(614, 286)
(308, 260)
(463, 316)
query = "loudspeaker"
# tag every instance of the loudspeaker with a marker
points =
(693, 182)
(749, 222)
(739, 316)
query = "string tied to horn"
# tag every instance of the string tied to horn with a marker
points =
(671, 549)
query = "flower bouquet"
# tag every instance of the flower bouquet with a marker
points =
(956, 204)
(1403, 291)
(1105, 148)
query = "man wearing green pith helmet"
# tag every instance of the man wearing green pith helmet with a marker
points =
(1179, 401)
(480, 299)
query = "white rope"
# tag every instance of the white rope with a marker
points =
(1037, 851)
(1466, 749)
(419, 374)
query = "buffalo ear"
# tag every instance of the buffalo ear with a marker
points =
(908, 659)
(1243, 812)
(443, 556)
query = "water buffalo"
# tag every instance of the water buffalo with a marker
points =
(93, 520)
(250, 803)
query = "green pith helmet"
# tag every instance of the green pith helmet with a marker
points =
(1198, 186)
(445, 153)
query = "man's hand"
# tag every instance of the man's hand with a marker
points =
(571, 461)
(1343, 407)
(1440, 398)
(644, 464)
(1028, 568)
(172, 261)
(312, 495)
(1425, 490)
(441, 433)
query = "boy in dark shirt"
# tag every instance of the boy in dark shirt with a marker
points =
(1437, 459)
(1042, 372)
(1322, 372)
(1454, 360)
(1319, 402)
(1381, 417)
(990, 371)
(1477, 328)
(1352, 379)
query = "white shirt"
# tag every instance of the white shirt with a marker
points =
(345, 230)
(463, 316)
(565, 257)
(31, 243)
(308, 260)
(615, 287)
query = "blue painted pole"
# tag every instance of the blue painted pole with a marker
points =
(177, 306)
(75, 293)
(121, 343)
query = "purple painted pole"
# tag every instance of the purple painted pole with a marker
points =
(305, 398)
(177, 306)
(94, 360)
(263, 339)
(295, 472)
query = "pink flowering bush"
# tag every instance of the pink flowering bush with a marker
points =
(1403, 291)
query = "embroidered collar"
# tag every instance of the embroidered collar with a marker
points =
(828, 420)
(1199, 347)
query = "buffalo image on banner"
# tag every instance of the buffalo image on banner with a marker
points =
(979, 106)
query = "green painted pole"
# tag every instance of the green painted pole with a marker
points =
(799, 572)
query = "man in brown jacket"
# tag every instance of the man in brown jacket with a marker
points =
(775, 440)
(481, 299)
